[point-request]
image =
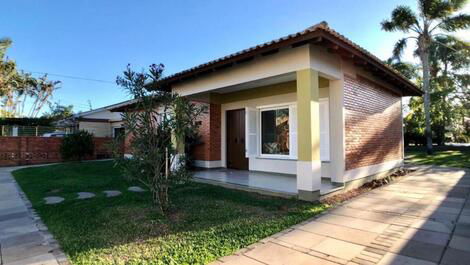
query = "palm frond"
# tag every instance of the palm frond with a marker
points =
(403, 18)
(458, 22)
(458, 4)
(399, 48)
(433, 9)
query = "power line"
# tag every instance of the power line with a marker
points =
(74, 77)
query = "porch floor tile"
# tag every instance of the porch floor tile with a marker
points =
(275, 182)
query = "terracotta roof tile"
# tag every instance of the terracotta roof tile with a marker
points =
(323, 26)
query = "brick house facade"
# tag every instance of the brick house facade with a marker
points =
(373, 123)
(312, 105)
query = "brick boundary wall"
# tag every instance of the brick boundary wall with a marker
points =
(373, 123)
(26, 150)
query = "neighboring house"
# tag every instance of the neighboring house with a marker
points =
(312, 104)
(100, 122)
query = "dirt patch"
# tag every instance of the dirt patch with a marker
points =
(336, 199)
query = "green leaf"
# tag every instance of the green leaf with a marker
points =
(403, 18)
(455, 23)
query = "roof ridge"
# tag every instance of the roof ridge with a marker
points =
(322, 24)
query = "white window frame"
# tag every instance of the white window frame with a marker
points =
(260, 135)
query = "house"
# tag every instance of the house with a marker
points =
(312, 105)
(100, 122)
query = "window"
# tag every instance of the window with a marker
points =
(118, 132)
(275, 131)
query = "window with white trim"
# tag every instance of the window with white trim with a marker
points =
(275, 131)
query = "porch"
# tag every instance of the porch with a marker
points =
(283, 185)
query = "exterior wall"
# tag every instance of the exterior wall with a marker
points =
(104, 114)
(207, 153)
(285, 61)
(326, 63)
(40, 150)
(98, 129)
(373, 125)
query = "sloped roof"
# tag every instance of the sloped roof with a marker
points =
(319, 34)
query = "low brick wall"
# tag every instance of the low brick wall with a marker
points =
(16, 151)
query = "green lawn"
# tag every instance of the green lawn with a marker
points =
(209, 221)
(451, 158)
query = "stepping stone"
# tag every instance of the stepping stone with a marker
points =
(85, 195)
(112, 193)
(135, 189)
(53, 199)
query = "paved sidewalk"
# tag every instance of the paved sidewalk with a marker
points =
(24, 239)
(422, 219)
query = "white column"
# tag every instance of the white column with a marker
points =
(337, 134)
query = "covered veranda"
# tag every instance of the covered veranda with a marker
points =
(282, 185)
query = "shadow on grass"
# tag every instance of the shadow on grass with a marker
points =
(441, 157)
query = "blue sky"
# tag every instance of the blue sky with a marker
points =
(96, 39)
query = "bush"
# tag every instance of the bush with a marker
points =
(157, 127)
(77, 145)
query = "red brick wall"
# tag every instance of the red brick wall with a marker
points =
(373, 123)
(16, 151)
(210, 131)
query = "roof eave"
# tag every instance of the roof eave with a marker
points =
(319, 34)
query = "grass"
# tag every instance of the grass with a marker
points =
(209, 222)
(451, 157)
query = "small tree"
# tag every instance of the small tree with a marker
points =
(77, 145)
(157, 125)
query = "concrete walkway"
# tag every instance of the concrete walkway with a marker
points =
(24, 239)
(422, 219)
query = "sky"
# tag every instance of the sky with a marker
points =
(96, 39)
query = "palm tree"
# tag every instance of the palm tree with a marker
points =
(435, 18)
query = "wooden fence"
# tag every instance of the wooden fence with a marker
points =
(26, 150)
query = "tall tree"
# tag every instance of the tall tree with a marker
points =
(16, 87)
(435, 18)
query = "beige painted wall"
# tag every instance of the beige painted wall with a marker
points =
(350, 69)
(99, 129)
(285, 61)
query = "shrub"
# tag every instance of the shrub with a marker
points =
(157, 127)
(77, 145)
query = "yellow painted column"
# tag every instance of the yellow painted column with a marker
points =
(308, 134)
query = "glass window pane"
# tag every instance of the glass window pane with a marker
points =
(275, 132)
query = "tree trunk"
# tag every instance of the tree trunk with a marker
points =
(427, 99)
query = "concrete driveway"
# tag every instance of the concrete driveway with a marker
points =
(423, 219)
